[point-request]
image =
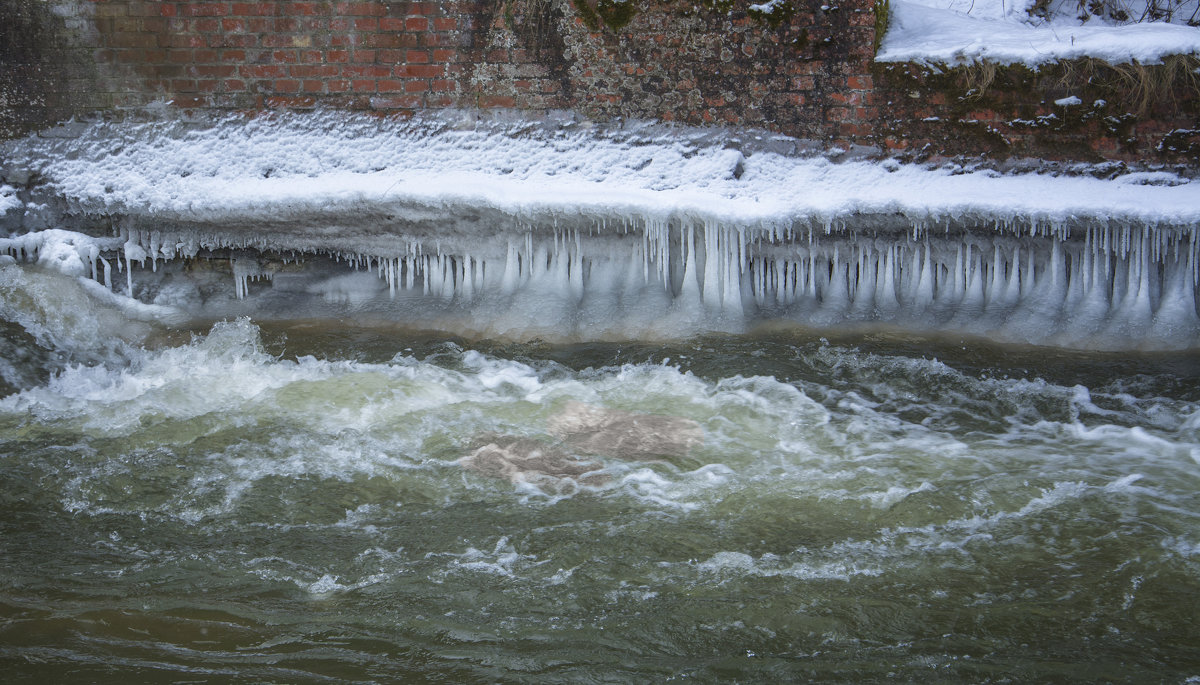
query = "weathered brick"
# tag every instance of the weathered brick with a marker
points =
(370, 9)
(204, 9)
(262, 71)
(421, 70)
(252, 9)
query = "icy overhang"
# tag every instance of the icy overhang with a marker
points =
(349, 179)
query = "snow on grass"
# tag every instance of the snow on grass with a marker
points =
(339, 165)
(961, 31)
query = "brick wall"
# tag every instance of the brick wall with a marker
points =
(806, 70)
(1079, 110)
(698, 63)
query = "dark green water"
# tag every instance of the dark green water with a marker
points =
(285, 504)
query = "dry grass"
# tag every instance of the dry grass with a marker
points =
(1137, 87)
(1140, 87)
(975, 78)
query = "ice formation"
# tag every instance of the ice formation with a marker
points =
(1123, 286)
(565, 232)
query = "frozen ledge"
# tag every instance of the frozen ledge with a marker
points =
(341, 177)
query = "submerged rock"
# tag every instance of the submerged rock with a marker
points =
(518, 459)
(624, 435)
(587, 429)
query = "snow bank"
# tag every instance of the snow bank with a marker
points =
(959, 32)
(340, 166)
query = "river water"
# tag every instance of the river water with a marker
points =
(288, 502)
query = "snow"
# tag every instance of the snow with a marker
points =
(963, 31)
(8, 199)
(293, 168)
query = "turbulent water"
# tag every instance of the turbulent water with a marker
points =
(307, 501)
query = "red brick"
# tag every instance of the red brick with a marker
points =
(442, 85)
(204, 9)
(233, 55)
(366, 24)
(180, 41)
(443, 55)
(168, 9)
(421, 70)
(416, 56)
(209, 25)
(283, 40)
(860, 82)
(389, 86)
(302, 8)
(338, 85)
(445, 24)
(416, 24)
(286, 85)
(253, 9)
(369, 9)
(363, 85)
(391, 24)
(416, 86)
(314, 71)
(365, 71)
(497, 101)
(217, 70)
(233, 85)
(262, 71)
(383, 40)
(188, 102)
(313, 86)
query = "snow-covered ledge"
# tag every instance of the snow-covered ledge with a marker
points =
(1002, 31)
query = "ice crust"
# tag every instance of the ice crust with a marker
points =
(341, 167)
(558, 230)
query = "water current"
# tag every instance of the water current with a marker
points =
(324, 500)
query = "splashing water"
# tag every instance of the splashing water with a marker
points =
(290, 502)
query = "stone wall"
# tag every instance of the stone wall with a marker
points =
(805, 70)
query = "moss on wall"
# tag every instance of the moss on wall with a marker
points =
(615, 14)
